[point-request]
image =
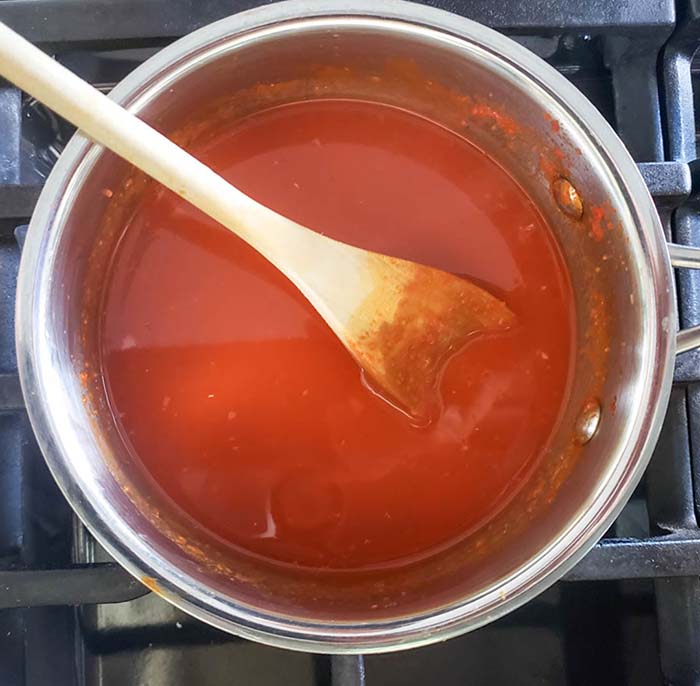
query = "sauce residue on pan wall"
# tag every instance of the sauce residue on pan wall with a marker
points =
(248, 412)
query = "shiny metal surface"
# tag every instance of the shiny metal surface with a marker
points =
(587, 422)
(94, 468)
(686, 256)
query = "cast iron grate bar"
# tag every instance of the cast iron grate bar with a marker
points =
(669, 556)
(671, 494)
(79, 585)
(17, 201)
(673, 555)
(10, 393)
(348, 670)
(75, 21)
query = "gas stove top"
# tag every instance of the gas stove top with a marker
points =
(629, 613)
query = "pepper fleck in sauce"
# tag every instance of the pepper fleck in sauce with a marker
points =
(251, 415)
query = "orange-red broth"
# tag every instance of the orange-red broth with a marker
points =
(251, 415)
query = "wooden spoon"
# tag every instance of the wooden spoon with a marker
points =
(401, 321)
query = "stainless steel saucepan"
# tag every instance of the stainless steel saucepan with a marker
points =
(479, 84)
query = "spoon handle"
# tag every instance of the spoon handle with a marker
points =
(107, 123)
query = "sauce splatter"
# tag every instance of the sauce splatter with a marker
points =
(597, 219)
(553, 123)
(499, 120)
(246, 409)
(151, 584)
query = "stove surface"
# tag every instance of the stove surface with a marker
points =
(629, 613)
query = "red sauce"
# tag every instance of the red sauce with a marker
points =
(250, 414)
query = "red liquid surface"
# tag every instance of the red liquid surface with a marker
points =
(247, 410)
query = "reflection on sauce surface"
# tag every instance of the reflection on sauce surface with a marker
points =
(248, 411)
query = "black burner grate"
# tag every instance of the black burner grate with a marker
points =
(633, 617)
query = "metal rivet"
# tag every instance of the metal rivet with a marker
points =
(587, 422)
(567, 197)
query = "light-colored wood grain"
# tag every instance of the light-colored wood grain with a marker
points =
(401, 321)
